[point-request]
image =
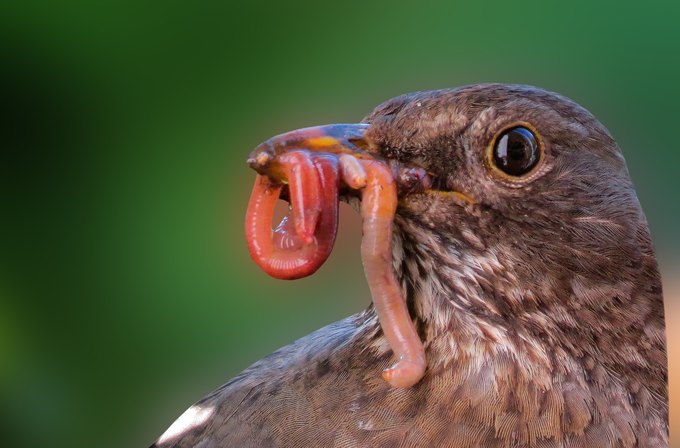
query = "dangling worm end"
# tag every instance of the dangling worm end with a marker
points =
(405, 373)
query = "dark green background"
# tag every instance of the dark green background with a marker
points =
(126, 291)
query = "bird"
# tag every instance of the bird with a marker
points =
(528, 272)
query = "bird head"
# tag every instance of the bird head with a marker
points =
(528, 226)
(531, 205)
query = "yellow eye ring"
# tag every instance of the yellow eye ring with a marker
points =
(516, 152)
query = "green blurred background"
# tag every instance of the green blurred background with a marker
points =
(126, 291)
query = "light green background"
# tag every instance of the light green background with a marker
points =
(126, 291)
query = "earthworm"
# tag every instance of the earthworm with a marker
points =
(303, 240)
(378, 206)
(283, 253)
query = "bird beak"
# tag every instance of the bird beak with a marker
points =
(331, 139)
(335, 140)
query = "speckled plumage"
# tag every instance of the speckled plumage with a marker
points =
(539, 303)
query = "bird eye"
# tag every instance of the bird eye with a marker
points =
(516, 151)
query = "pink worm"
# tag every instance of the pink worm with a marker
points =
(298, 248)
(378, 206)
(282, 253)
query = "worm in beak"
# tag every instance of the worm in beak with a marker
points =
(312, 167)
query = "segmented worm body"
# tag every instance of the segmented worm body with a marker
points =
(304, 239)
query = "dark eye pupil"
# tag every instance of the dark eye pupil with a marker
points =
(516, 151)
